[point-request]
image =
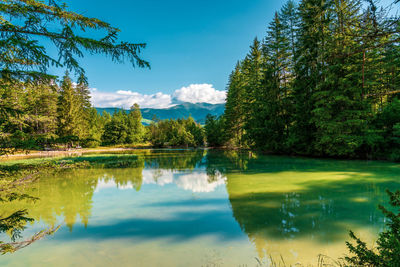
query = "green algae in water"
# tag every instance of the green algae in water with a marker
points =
(199, 208)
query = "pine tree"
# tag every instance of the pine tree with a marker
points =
(69, 109)
(271, 121)
(135, 126)
(339, 113)
(310, 61)
(41, 109)
(252, 81)
(82, 94)
(289, 19)
(234, 107)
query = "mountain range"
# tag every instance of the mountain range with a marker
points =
(198, 111)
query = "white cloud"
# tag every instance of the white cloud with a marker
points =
(194, 93)
(200, 93)
(125, 99)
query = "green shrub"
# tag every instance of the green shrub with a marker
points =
(387, 251)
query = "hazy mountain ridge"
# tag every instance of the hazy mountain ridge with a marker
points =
(198, 111)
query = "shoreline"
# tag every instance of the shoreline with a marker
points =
(55, 153)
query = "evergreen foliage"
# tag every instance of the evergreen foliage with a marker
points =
(387, 251)
(46, 115)
(26, 26)
(215, 135)
(324, 82)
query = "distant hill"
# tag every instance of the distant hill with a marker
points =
(198, 111)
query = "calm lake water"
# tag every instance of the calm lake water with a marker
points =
(203, 208)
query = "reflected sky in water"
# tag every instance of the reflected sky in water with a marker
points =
(203, 208)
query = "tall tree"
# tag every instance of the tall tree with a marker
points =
(339, 113)
(82, 95)
(310, 60)
(41, 108)
(234, 108)
(69, 109)
(135, 126)
(252, 81)
(272, 121)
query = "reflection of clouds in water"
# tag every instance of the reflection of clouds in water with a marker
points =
(109, 182)
(199, 182)
(158, 176)
(196, 182)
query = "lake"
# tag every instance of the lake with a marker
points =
(203, 208)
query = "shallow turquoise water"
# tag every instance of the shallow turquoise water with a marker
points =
(203, 208)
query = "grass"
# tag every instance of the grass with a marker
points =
(103, 160)
(14, 170)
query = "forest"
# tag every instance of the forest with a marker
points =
(324, 81)
(51, 116)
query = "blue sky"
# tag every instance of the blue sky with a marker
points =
(191, 46)
(189, 42)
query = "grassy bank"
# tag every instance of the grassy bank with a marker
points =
(25, 170)
(20, 154)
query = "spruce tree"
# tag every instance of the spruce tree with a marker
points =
(69, 109)
(272, 119)
(82, 93)
(339, 112)
(135, 126)
(252, 81)
(234, 108)
(310, 61)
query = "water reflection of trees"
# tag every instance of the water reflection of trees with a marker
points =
(271, 197)
(328, 196)
(14, 222)
(173, 160)
(68, 195)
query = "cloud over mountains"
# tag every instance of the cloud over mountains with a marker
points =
(194, 93)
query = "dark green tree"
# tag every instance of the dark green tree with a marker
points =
(252, 82)
(234, 108)
(214, 131)
(116, 130)
(135, 126)
(69, 109)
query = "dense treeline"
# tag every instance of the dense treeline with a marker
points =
(51, 115)
(180, 132)
(324, 82)
(45, 114)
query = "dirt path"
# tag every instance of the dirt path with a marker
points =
(72, 152)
